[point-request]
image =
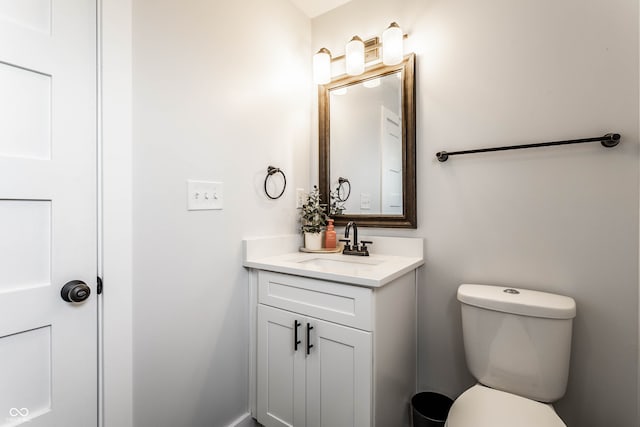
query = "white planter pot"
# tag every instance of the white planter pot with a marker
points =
(313, 241)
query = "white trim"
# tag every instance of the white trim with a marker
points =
(116, 162)
(253, 326)
(244, 420)
(99, 207)
(416, 326)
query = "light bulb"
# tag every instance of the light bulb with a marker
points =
(392, 51)
(322, 67)
(355, 56)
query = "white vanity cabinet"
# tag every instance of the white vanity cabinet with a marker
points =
(331, 354)
(327, 384)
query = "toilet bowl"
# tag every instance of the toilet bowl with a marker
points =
(517, 345)
(482, 406)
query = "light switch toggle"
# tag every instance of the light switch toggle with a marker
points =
(207, 196)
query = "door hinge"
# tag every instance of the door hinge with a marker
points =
(99, 286)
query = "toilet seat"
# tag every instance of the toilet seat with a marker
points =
(482, 406)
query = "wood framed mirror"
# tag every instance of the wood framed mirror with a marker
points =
(367, 142)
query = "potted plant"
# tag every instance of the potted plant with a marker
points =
(312, 219)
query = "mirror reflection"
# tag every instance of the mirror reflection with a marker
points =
(366, 129)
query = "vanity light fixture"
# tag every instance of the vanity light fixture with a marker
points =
(354, 53)
(322, 67)
(358, 53)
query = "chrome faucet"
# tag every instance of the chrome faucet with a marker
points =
(354, 249)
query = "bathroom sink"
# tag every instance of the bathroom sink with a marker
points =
(332, 262)
(348, 263)
(392, 257)
(344, 268)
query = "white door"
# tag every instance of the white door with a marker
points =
(339, 376)
(281, 368)
(48, 347)
(391, 163)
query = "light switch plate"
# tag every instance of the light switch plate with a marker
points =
(365, 201)
(204, 195)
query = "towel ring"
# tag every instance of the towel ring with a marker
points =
(341, 182)
(272, 171)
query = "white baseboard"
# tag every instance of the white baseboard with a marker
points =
(244, 420)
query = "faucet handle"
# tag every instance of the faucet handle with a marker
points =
(347, 244)
(363, 248)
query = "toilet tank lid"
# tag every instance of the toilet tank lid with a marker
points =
(523, 302)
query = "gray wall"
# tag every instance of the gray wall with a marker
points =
(563, 220)
(221, 91)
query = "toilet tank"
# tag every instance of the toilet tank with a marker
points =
(518, 340)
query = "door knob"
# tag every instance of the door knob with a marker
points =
(75, 291)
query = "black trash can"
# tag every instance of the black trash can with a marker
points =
(429, 409)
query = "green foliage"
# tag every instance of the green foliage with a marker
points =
(313, 214)
(336, 207)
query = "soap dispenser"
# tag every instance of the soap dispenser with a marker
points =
(330, 236)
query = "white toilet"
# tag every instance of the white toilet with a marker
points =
(517, 343)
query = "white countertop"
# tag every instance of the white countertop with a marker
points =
(390, 258)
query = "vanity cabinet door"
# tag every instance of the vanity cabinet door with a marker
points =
(339, 376)
(280, 368)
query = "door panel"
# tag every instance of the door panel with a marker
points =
(339, 372)
(25, 108)
(27, 261)
(26, 361)
(281, 375)
(31, 14)
(48, 219)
